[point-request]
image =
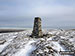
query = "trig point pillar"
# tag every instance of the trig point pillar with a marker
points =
(37, 30)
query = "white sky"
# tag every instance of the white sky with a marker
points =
(22, 12)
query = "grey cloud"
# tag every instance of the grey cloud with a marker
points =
(52, 12)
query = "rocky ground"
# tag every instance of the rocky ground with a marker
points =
(20, 44)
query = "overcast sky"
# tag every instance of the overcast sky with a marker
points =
(54, 13)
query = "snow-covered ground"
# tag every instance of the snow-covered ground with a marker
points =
(20, 44)
(27, 50)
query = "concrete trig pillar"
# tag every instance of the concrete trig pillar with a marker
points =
(37, 30)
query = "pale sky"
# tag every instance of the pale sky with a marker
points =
(54, 13)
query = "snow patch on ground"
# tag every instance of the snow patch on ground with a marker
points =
(57, 46)
(26, 50)
(2, 47)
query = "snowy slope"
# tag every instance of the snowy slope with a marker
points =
(20, 44)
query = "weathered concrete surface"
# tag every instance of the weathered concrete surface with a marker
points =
(37, 29)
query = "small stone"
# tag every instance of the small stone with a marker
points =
(2, 41)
